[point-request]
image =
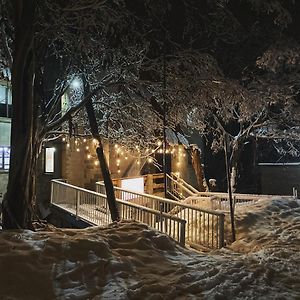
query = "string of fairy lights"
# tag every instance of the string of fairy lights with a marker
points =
(122, 154)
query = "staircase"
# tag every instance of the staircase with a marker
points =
(179, 189)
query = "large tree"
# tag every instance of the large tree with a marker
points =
(47, 42)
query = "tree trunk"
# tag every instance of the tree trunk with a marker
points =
(234, 164)
(196, 162)
(18, 201)
(111, 198)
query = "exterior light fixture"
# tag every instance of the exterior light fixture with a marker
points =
(76, 84)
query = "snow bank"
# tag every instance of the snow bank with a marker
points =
(130, 261)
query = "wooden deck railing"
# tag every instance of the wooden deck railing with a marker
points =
(92, 207)
(153, 183)
(204, 227)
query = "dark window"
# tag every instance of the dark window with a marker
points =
(4, 158)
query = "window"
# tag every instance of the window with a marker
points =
(49, 160)
(4, 158)
(5, 94)
(5, 101)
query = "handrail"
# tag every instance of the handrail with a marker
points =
(143, 208)
(239, 195)
(204, 226)
(192, 189)
(77, 187)
(165, 200)
(181, 185)
(92, 206)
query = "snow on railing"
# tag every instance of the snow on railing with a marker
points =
(204, 227)
(92, 207)
(178, 188)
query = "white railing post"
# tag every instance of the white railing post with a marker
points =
(77, 203)
(295, 193)
(52, 191)
(221, 230)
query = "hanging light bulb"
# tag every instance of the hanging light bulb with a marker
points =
(63, 139)
(88, 156)
(119, 171)
(150, 160)
(77, 149)
(96, 162)
(68, 145)
(126, 157)
(159, 143)
(84, 140)
(87, 147)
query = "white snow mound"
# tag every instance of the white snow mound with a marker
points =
(131, 261)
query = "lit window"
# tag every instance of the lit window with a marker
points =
(5, 94)
(4, 158)
(49, 160)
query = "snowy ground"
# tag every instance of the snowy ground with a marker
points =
(130, 261)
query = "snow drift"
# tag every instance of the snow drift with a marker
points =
(131, 261)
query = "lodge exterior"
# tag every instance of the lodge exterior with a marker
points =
(73, 158)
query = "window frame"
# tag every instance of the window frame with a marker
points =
(50, 170)
(4, 154)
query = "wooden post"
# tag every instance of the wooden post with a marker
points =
(227, 163)
(149, 184)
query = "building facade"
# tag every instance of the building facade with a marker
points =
(5, 127)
